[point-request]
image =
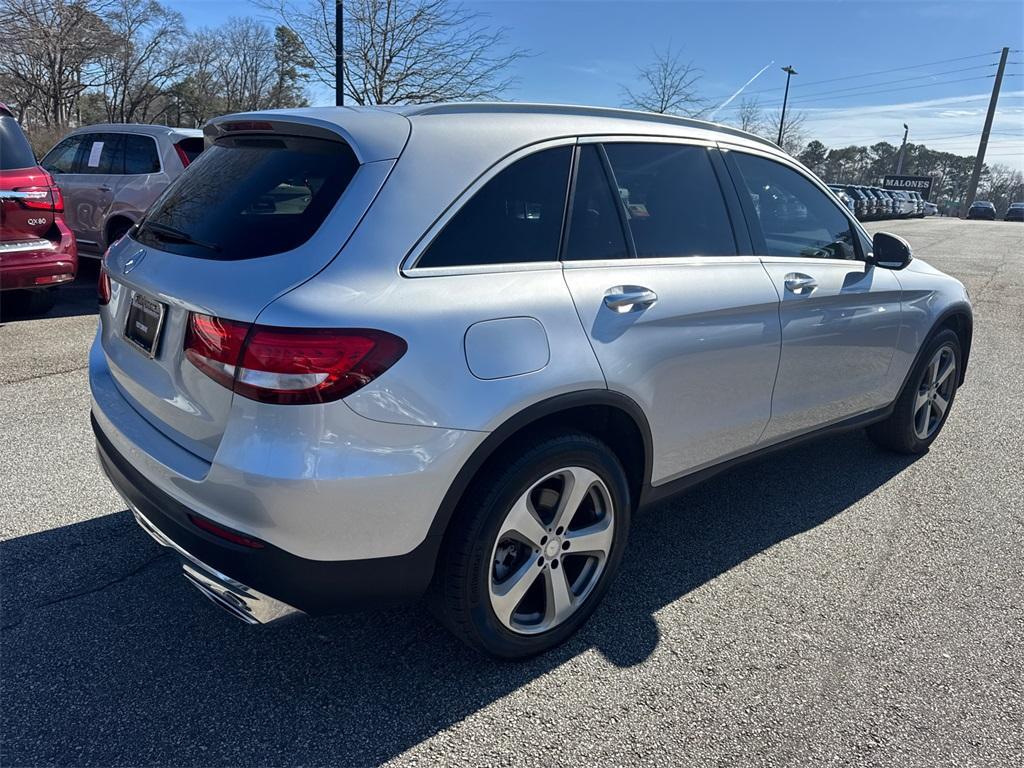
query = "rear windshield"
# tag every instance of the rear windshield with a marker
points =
(191, 147)
(15, 151)
(246, 197)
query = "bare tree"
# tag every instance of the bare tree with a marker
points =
(750, 116)
(402, 51)
(794, 134)
(50, 48)
(145, 57)
(667, 85)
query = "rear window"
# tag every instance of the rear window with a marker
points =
(15, 151)
(191, 147)
(247, 197)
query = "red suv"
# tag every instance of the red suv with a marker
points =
(37, 250)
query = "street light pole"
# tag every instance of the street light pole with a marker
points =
(339, 55)
(903, 148)
(979, 159)
(782, 121)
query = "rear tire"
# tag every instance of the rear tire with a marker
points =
(534, 546)
(926, 400)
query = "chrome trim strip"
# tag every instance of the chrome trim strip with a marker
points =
(28, 245)
(239, 600)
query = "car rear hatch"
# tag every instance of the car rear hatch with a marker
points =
(266, 206)
(28, 198)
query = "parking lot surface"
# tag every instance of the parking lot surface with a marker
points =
(834, 604)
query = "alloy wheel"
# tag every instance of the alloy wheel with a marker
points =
(551, 550)
(934, 392)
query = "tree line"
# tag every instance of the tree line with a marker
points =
(76, 62)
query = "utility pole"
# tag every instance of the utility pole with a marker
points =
(979, 161)
(782, 120)
(339, 55)
(903, 149)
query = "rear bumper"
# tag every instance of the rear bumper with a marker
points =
(268, 583)
(39, 264)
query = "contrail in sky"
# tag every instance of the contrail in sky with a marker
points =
(741, 89)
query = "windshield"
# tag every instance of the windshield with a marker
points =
(247, 197)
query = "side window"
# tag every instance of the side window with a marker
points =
(516, 217)
(797, 218)
(61, 159)
(140, 155)
(673, 201)
(103, 153)
(595, 229)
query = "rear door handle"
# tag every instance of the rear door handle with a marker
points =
(625, 298)
(799, 283)
(104, 188)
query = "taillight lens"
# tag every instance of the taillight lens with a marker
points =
(37, 198)
(182, 155)
(58, 199)
(289, 366)
(103, 287)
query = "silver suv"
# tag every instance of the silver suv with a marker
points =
(361, 354)
(110, 174)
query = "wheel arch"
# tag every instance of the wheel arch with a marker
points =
(115, 219)
(960, 320)
(610, 416)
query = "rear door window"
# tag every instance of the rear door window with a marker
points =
(595, 226)
(515, 217)
(247, 197)
(15, 151)
(102, 153)
(673, 202)
(140, 155)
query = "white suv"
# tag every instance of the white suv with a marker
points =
(359, 354)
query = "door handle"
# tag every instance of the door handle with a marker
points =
(799, 283)
(625, 298)
(104, 188)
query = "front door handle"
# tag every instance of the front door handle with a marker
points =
(799, 283)
(625, 298)
(104, 188)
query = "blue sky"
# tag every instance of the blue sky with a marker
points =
(584, 50)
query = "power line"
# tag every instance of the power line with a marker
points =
(870, 74)
(815, 99)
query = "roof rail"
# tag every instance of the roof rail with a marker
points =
(526, 108)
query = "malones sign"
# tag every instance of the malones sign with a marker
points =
(922, 184)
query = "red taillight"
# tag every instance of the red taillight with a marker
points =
(58, 199)
(37, 198)
(289, 366)
(103, 287)
(182, 155)
(225, 533)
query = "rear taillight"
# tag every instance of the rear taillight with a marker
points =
(37, 198)
(289, 366)
(182, 155)
(103, 287)
(58, 199)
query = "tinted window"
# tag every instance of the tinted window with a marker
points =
(140, 155)
(797, 218)
(61, 159)
(102, 153)
(516, 216)
(595, 228)
(246, 197)
(672, 200)
(15, 151)
(191, 147)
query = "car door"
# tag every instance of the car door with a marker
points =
(682, 317)
(62, 162)
(102, 165)
(840, 316)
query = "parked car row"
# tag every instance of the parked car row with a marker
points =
(983, 209)
(873, 203)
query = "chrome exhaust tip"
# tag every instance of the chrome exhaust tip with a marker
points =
(219, 595)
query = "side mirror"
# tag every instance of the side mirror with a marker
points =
(889, 251)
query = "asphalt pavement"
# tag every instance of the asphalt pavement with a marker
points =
(831, 605)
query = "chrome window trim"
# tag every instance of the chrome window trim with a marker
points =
(634, 138)
(786, 160)
(662, 261)
(408, 267)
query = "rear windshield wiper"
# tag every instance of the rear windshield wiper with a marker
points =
(170, 234)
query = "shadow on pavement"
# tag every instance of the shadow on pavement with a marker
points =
(110, 658)
(78, 298)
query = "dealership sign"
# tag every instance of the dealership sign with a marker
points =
(922, 184)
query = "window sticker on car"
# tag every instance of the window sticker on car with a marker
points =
(94, 154)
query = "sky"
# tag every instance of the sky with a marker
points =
(922, 62)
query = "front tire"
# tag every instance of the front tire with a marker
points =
(926, 400)
(534, 546)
